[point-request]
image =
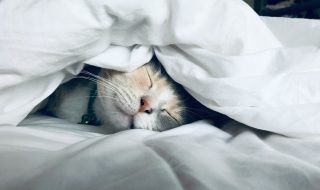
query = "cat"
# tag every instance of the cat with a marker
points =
(146, 98)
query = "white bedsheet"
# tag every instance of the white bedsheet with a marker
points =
(260, 71)
(43, 154)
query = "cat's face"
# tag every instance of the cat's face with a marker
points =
(143, 99)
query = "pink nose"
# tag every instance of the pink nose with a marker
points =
(145, 105)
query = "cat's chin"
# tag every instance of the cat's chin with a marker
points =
(144, 121)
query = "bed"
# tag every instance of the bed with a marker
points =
(262, 72)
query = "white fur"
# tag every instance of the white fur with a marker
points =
(120, 111)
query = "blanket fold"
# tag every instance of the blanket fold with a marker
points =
(221, 51)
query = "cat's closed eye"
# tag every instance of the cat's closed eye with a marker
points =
(168, 113)
(151, 83)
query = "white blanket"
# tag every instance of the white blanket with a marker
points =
(261, 72)
(47, 153)
(221, 51)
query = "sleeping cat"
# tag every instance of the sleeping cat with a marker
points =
(146, 98)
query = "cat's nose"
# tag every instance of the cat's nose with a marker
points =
(145, 105)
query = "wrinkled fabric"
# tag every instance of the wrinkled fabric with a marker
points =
(225, 55)
(263, 72)
(49, 153)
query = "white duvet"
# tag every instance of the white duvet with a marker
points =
(263, 72)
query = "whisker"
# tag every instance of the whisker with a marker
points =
(82, 97)
(96, 79)
(191, 108)
(192, 112)
(100, 82)
(103, 82)
(91, 74)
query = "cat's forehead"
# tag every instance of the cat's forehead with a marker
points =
(141, 71)
(162, 87)
(144, 76)
(145, 70)
(150, 78)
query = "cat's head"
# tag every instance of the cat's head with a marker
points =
(146, 98)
